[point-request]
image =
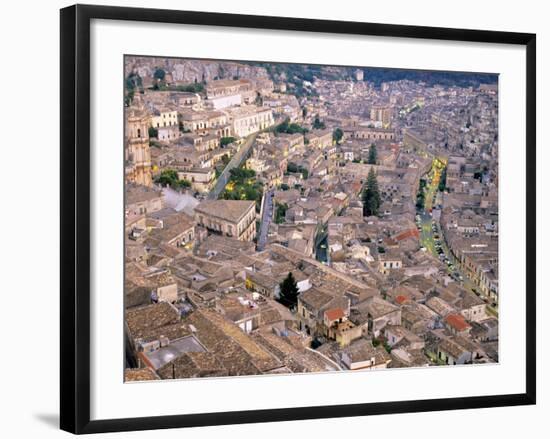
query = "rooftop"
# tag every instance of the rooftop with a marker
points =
(143, 374)
(176, 348)
(228, 210)
(137, 194)
(457, 322)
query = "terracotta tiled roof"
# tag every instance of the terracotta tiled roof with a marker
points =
(411, 233)
(334, 314)
(457, 321)
(401, 299)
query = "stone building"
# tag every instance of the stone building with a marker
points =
(232, 218)
(248, 120)
(381, 113)
(225, 93)
(164, 117)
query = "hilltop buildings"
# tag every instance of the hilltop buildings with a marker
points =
(232, 188)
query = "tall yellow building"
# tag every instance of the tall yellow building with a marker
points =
(137, 154)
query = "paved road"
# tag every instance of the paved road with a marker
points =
(427, 225)
(267, 217)
(235, 162)
(428, 236)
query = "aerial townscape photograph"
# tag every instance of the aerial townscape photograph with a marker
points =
(296, 218)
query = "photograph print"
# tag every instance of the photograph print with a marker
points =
(295, 218)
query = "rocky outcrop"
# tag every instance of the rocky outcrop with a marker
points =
(187, 71)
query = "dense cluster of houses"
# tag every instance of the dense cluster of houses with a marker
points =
(203, 299)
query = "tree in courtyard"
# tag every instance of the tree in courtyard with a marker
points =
(224, 141)
(168, 177)
(373, 155)
(289, 291)
(337, 135)
(371, 195)
(280, 213)
(182, 184)
(317, 124)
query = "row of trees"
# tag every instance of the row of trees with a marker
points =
(290, 128)
(420, 195)
(443, 180)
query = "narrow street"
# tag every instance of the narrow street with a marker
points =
(267, 217)
(321, 245)
(235, 162)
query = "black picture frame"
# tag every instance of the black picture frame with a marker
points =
(75, 217)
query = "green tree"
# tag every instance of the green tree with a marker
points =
(280, 213)
(168, 177)
(373, 155)
(337, 135)
(289, 291)
(153, 132)
(239, 175)
(224, 141)
(421, 196)
(317, 124)
(190, 88)
(292, 167)
(290, 128)
(159, 74)
(371, 195)
(183, 184)
(133, 83)
(443, 180)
